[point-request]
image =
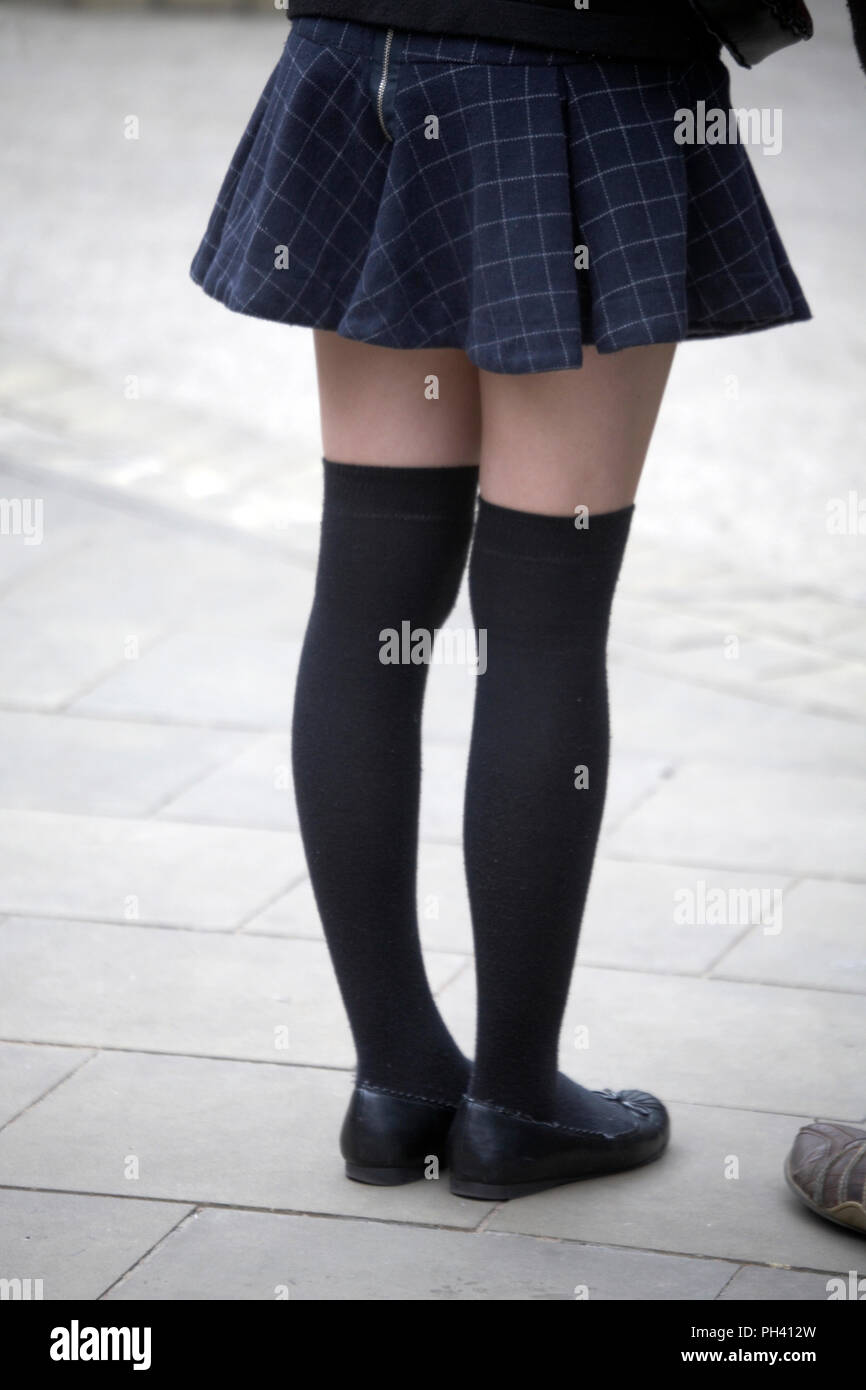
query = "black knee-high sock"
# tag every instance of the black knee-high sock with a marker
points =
(392, 550)
(535, 789)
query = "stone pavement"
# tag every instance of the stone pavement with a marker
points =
(174, 1059)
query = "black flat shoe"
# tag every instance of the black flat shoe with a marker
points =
(388, 1139)
(495, 1154)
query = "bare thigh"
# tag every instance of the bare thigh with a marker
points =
(552, 441)
(394, 406)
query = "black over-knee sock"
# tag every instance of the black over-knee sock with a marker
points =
(535, 789)
(392, 551)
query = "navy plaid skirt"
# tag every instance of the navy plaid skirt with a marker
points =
(440, 191)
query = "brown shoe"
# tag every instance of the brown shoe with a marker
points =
(827, 1169)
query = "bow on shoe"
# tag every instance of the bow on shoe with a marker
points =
(622, 1100)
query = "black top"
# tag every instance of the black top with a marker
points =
(666, 30)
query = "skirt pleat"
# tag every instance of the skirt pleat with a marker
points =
(465, 229)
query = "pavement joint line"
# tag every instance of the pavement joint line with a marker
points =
(219, 764)
(149, 508)
(667, 774)
(727, 1284)
(461, 969)
(787, 889)
(27, 914)
(47, 562)
(365, 1218)
(488, 1217)
(258, 912)
(777, 984)
(37, 1100)
(98, 1049)
(731, 867)
(123, 663)
(752, 690)
(130, 717)
(185, 1216)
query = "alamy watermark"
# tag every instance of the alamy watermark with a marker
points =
(438, 646)
(22, 516)
(713, 125)
(729, 907)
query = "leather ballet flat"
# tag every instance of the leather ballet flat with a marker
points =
(496, 1154)
(389, 1139)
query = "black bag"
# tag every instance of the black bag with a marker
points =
(753, 29)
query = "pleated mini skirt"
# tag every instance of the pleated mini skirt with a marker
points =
(421, 191)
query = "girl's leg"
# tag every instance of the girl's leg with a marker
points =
(541, 585)
(401, 438)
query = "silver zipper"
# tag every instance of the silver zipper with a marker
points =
(388, 37)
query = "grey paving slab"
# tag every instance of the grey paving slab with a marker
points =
(797, 616)
(42, 530)
(254, 789)
(759, 1284)
(57, 661)
(762, 668)
(291, 914)
(141, 871)
(821, 944)
(102, 767)
(755, 819)
(137, 571)
(443, 905)
(163, 990)
(78, 1246)
(646, 916)
(851, 642)
(710, 1042)
(250, 1255)
(684, 1202)
(202, 678)
(678, 721)
(841, 689)
(26, 1073)
(229, 1133)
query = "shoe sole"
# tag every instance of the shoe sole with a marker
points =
(504, 1192)
(858, 1226)
(383, 1177)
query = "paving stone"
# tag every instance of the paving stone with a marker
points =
(55, 661)
(255, 789)
(756, 1282)
(707, 1042)
(139, 572)
(800, 617)
(203, 1131)
(851, 642)
(821, 944)
(26, 1073)
(685, 1203)
(775, 666)
(754, 818)
(102, 767)
(78, 1246)
(443, 905)
(159, 990)
(677, 721)
(292, 914)
(141, 871)
(631, 915)
(841, 690)
(40, 529)
(236, 1255)
(195, 678)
